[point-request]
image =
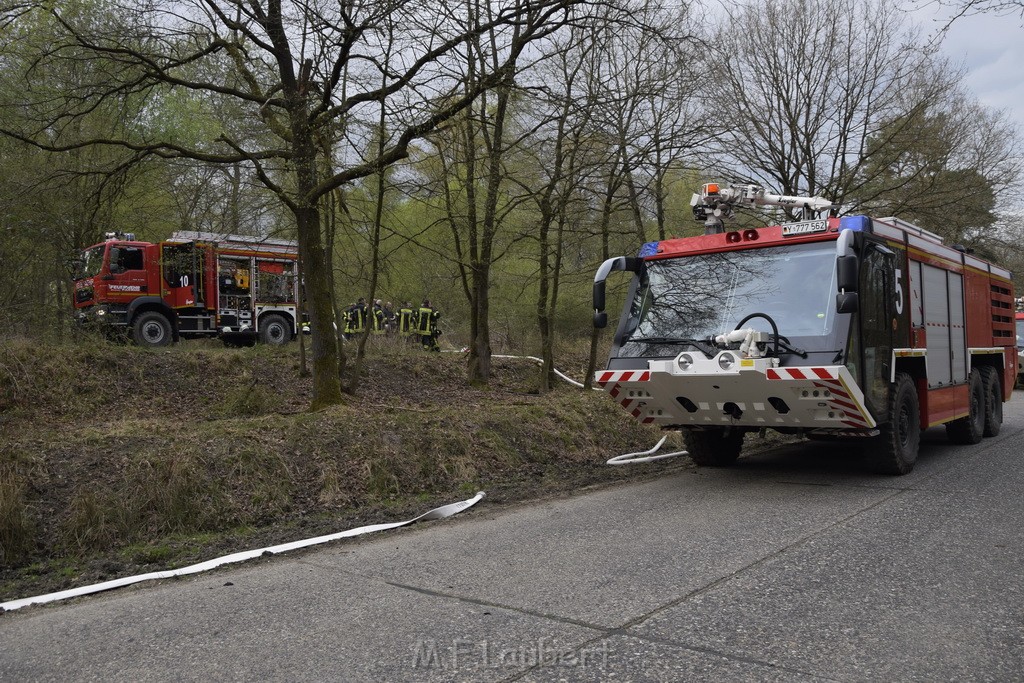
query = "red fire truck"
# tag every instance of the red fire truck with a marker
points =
(196, 284)
(827, 327)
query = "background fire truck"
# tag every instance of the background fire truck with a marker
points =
(241, 289)
(827, 327)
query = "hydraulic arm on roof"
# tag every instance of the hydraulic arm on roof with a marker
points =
(714, 204)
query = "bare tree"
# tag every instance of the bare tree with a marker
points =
(966, 8)
(802, 87)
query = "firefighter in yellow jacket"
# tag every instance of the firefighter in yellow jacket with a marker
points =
(426, 326)
(406, 320)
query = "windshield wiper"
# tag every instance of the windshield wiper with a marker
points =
(784, 343)
(705, 346)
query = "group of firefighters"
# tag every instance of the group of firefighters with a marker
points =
(382, 319)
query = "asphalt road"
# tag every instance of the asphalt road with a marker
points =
(793, 566)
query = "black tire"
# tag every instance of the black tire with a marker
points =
(274, 330)
(714, 446)
(970, 429)
(993, 400)
(895, 449)
(152, 329)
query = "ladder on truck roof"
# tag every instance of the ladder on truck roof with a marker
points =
(911, 228)
(251, 242)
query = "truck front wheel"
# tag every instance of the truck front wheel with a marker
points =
(274, 330)
(970, 429)
(151, 329)
(714, 446)
(895, 451)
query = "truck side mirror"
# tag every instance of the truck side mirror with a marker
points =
(847, 302)
(625, 263)
(847, 273)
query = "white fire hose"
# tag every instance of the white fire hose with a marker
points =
(644, 456)
(436, 513)
(558, 372)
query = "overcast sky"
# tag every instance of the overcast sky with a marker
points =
(991, 48)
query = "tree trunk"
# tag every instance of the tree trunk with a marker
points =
(323, 344)
(606, 214)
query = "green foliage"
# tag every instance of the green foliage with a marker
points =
(921, 167)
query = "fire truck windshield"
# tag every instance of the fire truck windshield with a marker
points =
(91, 262)
(698, 297)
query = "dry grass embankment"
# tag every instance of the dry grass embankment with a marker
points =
(115, 460)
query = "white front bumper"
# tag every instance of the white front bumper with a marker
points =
(755, 393)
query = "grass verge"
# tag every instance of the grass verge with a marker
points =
(183, 454)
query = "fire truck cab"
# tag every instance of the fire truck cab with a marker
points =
(241, 289)
(828, 327)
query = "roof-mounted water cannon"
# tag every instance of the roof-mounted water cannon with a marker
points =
(714, 204)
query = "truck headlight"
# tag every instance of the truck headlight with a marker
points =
(726, 361)
(684, 361)
(101, 312)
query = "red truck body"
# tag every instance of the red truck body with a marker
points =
(241, 289)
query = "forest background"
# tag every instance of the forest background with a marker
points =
(487, 154)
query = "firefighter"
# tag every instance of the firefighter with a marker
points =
(355, 318)
(426, 326)
(378, 321)
(406, 321)
(346, 319)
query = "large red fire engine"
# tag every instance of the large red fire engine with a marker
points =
(193, 285)
(827, 327)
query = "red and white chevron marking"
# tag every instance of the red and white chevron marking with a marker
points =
(841, 402)
(609, 376)
(826, 378)
(802, 373)
(614, 378)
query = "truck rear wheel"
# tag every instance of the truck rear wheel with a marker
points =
(970, 429)
(714, 446)
(993, 400)
(151, 329)
(895, 449)
(274, 330)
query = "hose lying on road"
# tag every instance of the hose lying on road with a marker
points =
(436, 513)
(634, 458)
